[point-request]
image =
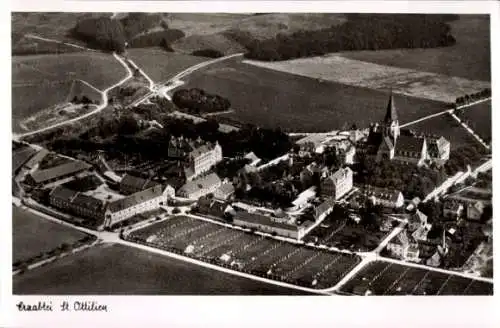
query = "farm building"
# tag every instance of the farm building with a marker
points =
(76, 203)
(43, 177)
(200, 187)
(268, 224)
(131, 184)
(137, 203)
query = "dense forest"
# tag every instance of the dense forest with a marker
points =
(139, 30)
(360, 32)
(197, 101)
(102, 33)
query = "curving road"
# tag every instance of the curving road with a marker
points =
(104, 104)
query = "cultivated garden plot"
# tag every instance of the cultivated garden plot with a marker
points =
(248, 252)
(384, 278)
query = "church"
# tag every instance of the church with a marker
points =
(388, 142)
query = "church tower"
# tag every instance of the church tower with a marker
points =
(391, 123)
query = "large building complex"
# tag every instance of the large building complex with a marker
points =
(137, 203)
(203, 158)
(76, 203)
(200, 187)
(388, 142)
(337, 184)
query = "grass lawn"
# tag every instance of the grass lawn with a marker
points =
(104, 270)
(468, 58)
(275, 99)
(444, 125)
(161, 65)
(479, 119)
(40, 81)
(33, 235)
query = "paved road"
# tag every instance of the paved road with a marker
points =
(449, 111)
(162, 88)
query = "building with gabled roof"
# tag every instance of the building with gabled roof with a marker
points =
(224, 191)
(268, 224)
(137, 203)
(385, 197)
(337, 184)
(131, 184)
(325, 208)
(203, 158)
(401, 247)
(77, 203)
(386, 142)
(475, 210)
(200, 187)
(41, 177)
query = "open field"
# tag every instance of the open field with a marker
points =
(209, 30)
(161, 65)
(55, 25)
(363, 74)
(275, 99)
(247, 252)
(383, 278)
(469, 58)
(478, 117)
(33, 235)
(41, 81)
(120, 270)
(444, 125)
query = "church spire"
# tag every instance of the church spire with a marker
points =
(391, 114)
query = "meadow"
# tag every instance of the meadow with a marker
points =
(478, 117)
(295, 103)
(33, 235)
(161, 65)
(469, 58)
(102, 270)
(363, 74)
(446, 126)
(41, 81)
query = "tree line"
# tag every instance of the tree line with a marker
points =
(470, 98)
(112, 34)
(360, 32)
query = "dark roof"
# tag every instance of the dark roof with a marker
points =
(59, 171)
(409, 144)
(391, 114)
(137, 182)
(88, 202)
(63, 193)
(263, 220)
(21, 156)
(134, 199)
(325, 206)
(436, 146)
(37, 158)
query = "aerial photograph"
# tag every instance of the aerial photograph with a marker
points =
(251, 154)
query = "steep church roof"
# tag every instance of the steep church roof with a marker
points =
(391, 114)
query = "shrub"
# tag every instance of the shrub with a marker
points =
(211, 53)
